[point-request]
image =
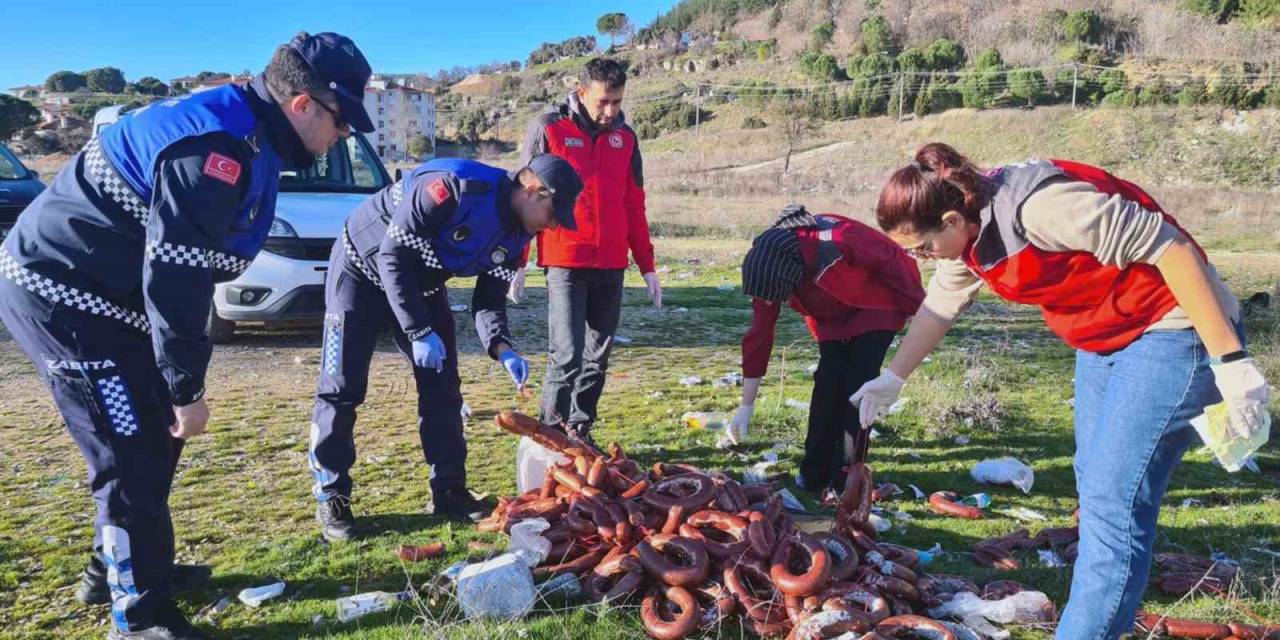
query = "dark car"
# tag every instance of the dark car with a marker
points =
(18, 187)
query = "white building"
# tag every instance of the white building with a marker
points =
(399, 115)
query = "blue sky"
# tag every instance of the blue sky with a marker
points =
(181, 37)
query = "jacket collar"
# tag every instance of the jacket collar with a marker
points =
(278, 130)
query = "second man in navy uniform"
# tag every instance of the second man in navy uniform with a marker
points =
(448, 217)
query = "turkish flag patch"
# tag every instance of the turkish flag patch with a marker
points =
(438, 191)
(222, 168)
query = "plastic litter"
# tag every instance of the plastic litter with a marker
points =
(731, 379)
(757, 473)
(897, 407)
(797, 404)
(962, 440)
(1190, 502)
(1004, 471)
(1024, 514)
(1213, 427)
(532, 462)
(1050, 558)
(253, 597)
(928, 555)
(363, 604)
(790, 502)
(417, 553)
(916, 490)
(622, 339)
(902, 519)
(215, 609)
(1021, 607)
(500, 589)
(961, 631)
(680, 310)
(979, 500)
(458, 308)
(527, 541)
(690, 381)
(1220, 556)
(565, 585)
(811, 369)
(881, 525)
(711, 420)
(725, 288)
(466, 412)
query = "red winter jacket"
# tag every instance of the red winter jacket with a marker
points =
(867, 284)
(610, 213)
(1091, 306)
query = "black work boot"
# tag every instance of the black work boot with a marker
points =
(457, 503)
(93, 587)
(337, 523)
(170, 624)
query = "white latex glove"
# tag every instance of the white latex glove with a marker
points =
(655, 288)
(875, 397)
(737, 430)
(1245, 391)
(516, 291)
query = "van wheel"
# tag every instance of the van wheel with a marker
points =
(220, 331)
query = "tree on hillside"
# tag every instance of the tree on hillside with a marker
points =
(471, 124)
(210, 75)
(821, 35)
(105, 80)
(877, 36)
(64, 81)
(613, 24)
(151, 86)
(16, 115)
(794, 124)
(420, 147)
(1027, 84)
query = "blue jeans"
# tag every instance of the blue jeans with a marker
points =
(1133, 410)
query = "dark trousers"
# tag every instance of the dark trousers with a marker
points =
(105, 383)
(356, 313)
(583, 307)
(843, 367)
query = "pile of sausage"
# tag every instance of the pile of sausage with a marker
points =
(699, 547)
(1181, 574)
(1153, 624)
(998, 553)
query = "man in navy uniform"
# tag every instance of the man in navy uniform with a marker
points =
(106, 282)
(449, 217)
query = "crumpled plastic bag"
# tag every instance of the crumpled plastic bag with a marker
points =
(1004, 471)
(527, 543)
(1232, 453)
(532, 462)
(1022, 607)
(500, 589)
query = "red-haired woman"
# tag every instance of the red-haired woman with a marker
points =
(1156, 331)
(855, 289)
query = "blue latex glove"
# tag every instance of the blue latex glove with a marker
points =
(429, 352)
(516, 366)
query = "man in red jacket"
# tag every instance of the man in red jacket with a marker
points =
(584, 267)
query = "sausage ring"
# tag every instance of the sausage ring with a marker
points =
(874, 605)
(816, 572)
(947, 503)
(724, 535)
(616, 577)
(689, 490)
(844, 558)
(692, 569)
(828, 624)
(669, 613)
(760, 599)
(761, 535)
(912, 625)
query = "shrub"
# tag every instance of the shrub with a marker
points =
(820, 66)
(877, 37)
(1083, 26)
(1027, 84)
(752, 122)
(944, 55)
(821, 35)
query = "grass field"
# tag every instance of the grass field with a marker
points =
(242, 499)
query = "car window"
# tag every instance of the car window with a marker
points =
(10, 167)
(349, 166)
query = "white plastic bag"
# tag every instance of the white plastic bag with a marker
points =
(253, 597)
(1232, 453)
(527, 543)
(1004, 471)
(532, 462)
(500, 589)
(1021, 607)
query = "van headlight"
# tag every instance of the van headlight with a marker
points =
(281, 229)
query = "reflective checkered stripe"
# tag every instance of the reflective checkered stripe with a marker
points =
(504, 273)
(397, 194)
(183, 255)
(415, 242)
(69, 296)
(100, 172)
(354, 258)
(118, 405)
(331, 359)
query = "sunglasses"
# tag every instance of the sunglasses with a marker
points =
(337, 117)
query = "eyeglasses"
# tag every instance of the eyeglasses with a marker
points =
(337, 117)
(924, 250)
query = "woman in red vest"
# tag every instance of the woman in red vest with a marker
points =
(1157, 335)
(855, 289)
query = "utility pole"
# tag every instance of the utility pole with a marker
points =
(1075, 82)
(902, 92)
(697, 110)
